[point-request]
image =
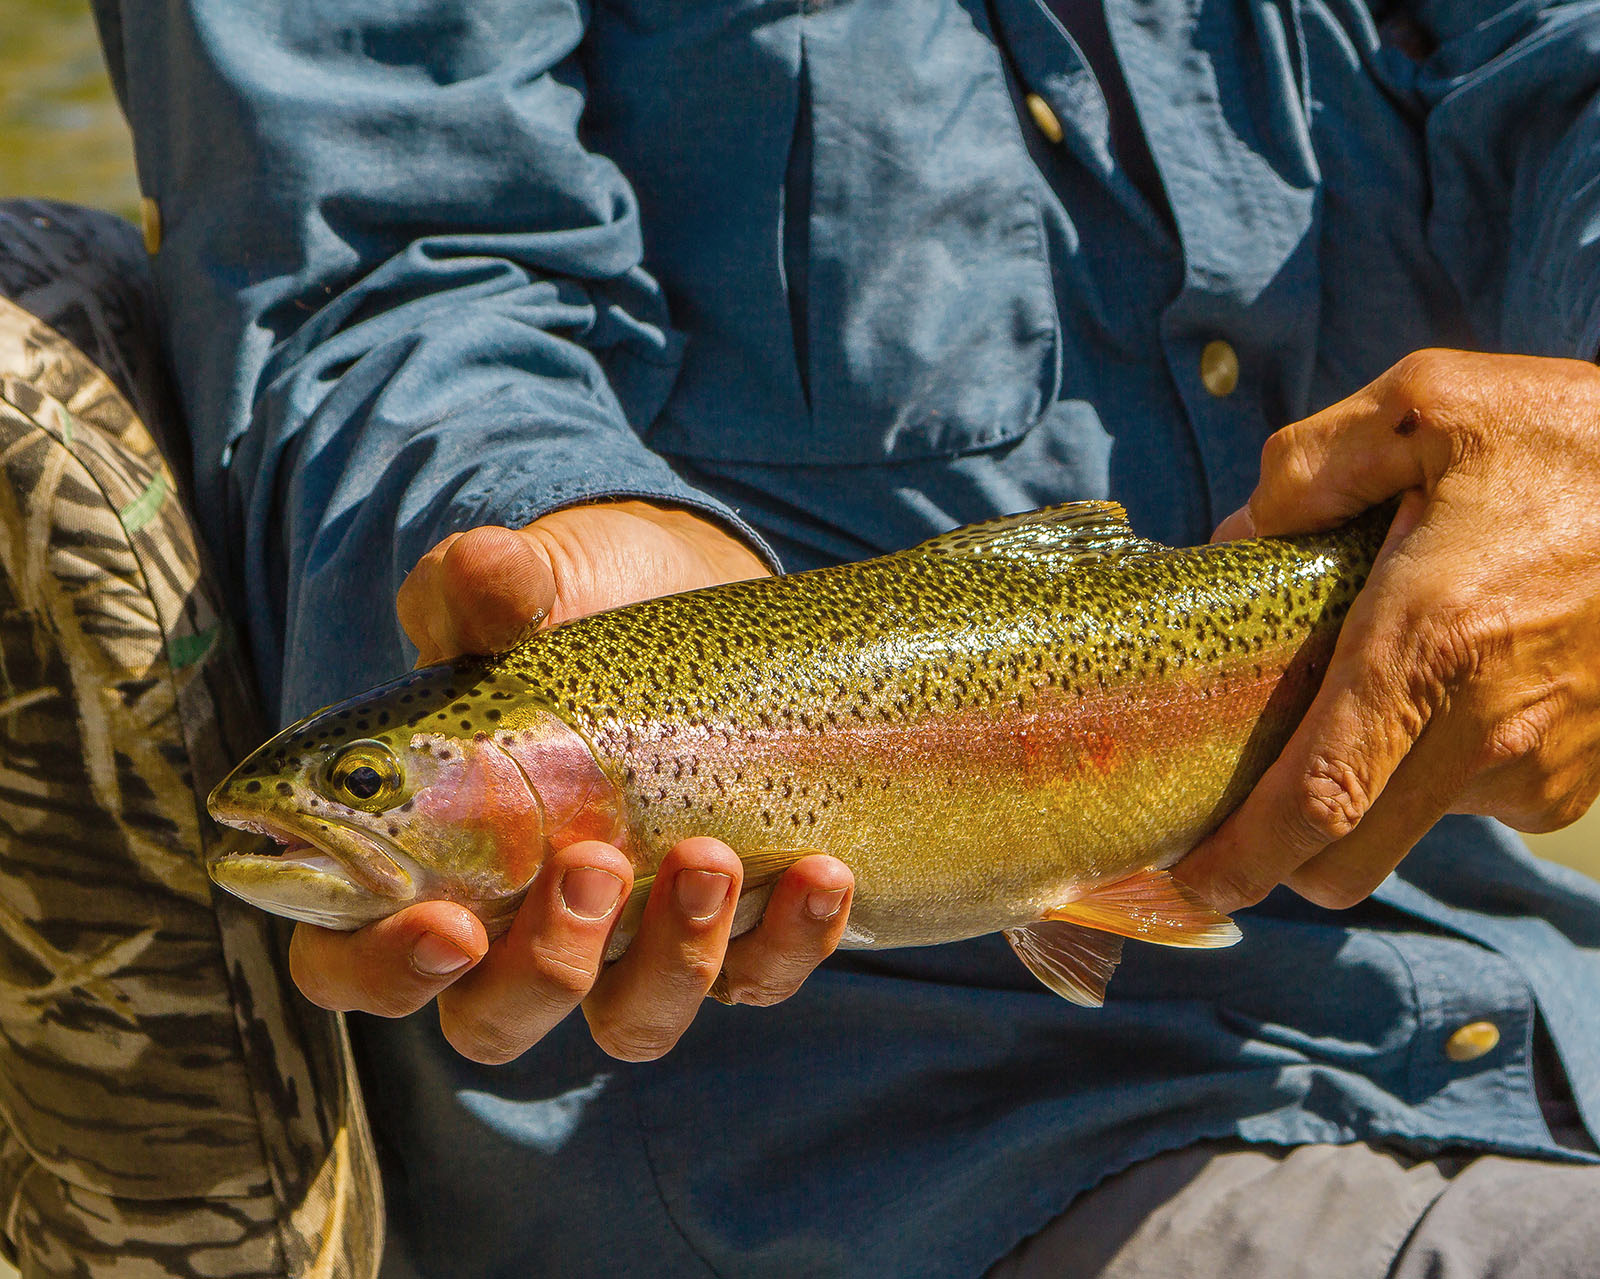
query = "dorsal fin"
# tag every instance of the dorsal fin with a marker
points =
(1073, 532)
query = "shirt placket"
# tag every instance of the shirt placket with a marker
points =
(1472, 1053)
(1239, 337)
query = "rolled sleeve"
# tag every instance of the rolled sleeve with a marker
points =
(1513, 137)
(402, 298)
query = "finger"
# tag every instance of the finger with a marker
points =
(476, 592)
(1375, 700)
(1235, 526)
(389, 968)
(1400, 432)
(1417, 795)
(547, 961)
(416, 604)
(802, 924)
(495, 583)
(645, 1001)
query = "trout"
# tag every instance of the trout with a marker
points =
(1016, 727)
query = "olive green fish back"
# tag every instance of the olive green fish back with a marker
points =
(169, 1106)
(983, 616)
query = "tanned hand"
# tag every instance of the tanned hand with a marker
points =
(478, 592)
(1467, 676)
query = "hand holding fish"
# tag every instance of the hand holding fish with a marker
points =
(1467, 676)
(475, 593)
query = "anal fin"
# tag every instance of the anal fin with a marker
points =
(1073, 960)
(1151, 906)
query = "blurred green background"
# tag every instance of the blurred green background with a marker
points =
(60, 132)
(61, 136)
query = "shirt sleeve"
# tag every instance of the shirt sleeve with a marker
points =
(402, 298)
(1512, 92)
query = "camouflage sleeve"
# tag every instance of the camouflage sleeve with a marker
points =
(169, 1105)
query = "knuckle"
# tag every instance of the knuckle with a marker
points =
(1567, 808)
(1240, 886)
(1331, 887)
(562, 977)
(315, 983)
(1550, 803)
(1425, 378)
(700, 970)
(325, 996)
(1331, 801)
(390, 1003)
(631, 1041)
(1457, 635)
(1285, 460)
(763, 990)
(1513, 740)
(479, 1038)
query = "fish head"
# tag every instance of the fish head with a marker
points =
(446, 784)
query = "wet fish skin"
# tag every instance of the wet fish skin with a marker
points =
(1018, 726)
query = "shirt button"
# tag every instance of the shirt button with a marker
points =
(1472, 1041)
(1045, 118)
(150, 221)
(1219, 368)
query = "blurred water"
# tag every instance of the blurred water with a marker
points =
(61, 136)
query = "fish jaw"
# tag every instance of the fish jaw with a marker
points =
(307, 880)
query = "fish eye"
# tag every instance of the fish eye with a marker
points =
(365, 775)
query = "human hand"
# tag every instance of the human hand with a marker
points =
(477, 591)
(1467, 675)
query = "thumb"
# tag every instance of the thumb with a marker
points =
(476, 592)
(1356, 454)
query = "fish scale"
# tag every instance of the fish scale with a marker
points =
(1016, 727)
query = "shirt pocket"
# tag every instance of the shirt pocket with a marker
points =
(920, 295)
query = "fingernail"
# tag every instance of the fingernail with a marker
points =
(825, 905)
(589, 892)
(701, 893)
(433, 956)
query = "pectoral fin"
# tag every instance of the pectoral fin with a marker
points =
(1074, 961)
(1151, 906)
(763, 867)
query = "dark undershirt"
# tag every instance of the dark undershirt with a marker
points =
(1085, 21)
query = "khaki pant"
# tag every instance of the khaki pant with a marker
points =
(1324, 1212)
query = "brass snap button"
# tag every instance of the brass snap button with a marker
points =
(1472, 1041)
(1219, 368)
(1047, 121)
(150, 222)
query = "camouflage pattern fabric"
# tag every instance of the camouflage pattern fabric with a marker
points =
(169, 1104)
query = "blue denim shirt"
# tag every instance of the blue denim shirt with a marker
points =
(814, 270)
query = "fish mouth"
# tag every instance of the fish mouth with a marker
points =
(325, 871)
